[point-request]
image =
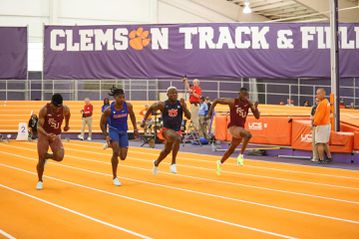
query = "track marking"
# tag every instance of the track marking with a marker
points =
(75, 212)
(143, 202)
(197, 192)
(7, 235)
(205, 179)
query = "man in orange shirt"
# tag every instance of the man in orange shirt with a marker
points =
(322, 125)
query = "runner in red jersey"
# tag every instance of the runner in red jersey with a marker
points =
(49, 131)
(238, 114)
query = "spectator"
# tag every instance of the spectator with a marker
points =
(33, 126)
(106, 104)
(306, 103)
(202, 113)
(322, 125)
(86, 119)
(194, 99)
(208, 102)
(341, 104)
(290, 102)
(314, 148)
(352, 105)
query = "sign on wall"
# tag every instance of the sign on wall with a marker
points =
(13, 52)
(274, 50)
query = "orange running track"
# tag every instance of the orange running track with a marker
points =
(260, 200)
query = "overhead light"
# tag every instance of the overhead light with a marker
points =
(246, 8)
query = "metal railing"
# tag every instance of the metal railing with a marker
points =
(148, 89)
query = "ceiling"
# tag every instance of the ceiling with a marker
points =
(279, 9)
(283, 10)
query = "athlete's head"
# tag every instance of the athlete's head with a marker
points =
(118, 94)
(243, 93)
(56, 100)
(172, 93)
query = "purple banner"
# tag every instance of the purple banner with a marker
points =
(13, 52)
(271, 50)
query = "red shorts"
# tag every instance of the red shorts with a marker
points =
(43, 144)
(160, 134)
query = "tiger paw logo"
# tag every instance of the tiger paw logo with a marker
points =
(139, 38)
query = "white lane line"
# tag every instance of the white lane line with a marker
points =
(236, 173)
(151, 204)
(197, 192)
(75, 212)
(233, 164)
(207, 179)
(7, 235)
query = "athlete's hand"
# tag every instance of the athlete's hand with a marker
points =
(66, 128)
(108, 140)
(135, 133)
(183, 103)
(143, 124)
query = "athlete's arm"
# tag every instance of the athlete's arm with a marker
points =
(254, 109)
(222, 101)
(133, 118)
(103, 121)
(185, 109)
(41, 122)
(67, 115)
(153, 108)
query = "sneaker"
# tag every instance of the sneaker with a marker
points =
(173, 168)
(155, 168)
(80, 137)
(116, 182)
(314, 160)
(240, 160)
(89, 138)
(219, 167)
(39, 185)
(105, 146)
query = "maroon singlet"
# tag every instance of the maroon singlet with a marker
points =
(53, 120)
(238, 113)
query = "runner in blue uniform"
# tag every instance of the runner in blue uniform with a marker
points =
(116, 116)
(172, 112)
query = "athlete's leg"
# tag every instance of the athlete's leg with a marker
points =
(246, 135)
(234, 144)
(42, 147)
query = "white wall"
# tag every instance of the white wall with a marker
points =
(185, 11)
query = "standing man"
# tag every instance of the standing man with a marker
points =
(195, 92)
(116, 117)
(314, 148)
(238, 115)
(49, 129)
(172, 112)
(86, 119)
(321, 122)
(202, 114)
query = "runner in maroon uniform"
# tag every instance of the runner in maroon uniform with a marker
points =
(238, 115)
(49, 130)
